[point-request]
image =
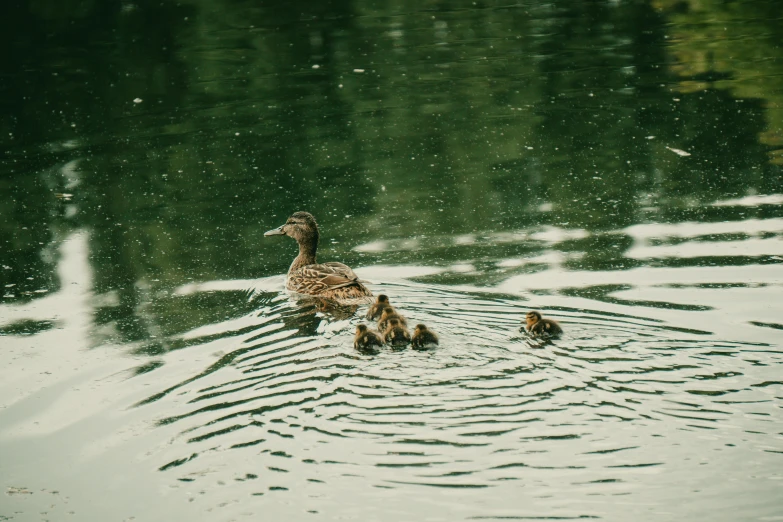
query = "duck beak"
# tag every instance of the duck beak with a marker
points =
(275, 231)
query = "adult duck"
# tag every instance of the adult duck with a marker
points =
(305, 276)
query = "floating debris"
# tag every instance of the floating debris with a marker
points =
(18, 491)
(679, 152)
(358, 70)
(137, 100)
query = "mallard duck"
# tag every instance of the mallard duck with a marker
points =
(365, 338)
(396, 334)
(377, 308)
(537, 325)
(305, 276)
(388, 313)
(423, 336)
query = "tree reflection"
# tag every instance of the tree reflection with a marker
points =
(200, 124)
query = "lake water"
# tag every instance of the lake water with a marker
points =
(617, 165)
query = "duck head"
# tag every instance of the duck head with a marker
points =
(301, 226)
(532, 318)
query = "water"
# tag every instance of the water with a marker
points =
(615, 165)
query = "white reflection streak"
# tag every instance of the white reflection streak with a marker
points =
(70, 306)
(52, 356)
(694, 229)
(690, 249)
(751, 201)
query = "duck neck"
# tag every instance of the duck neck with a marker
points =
(307, 249)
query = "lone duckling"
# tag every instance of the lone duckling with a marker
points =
(396, 334)
(328, 280)
(378, 307)
(390, 313)
(365, 338)
(423, 337)
(537, 325)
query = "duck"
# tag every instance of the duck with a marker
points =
(396, 334)
(306, 276)
(365, 338)
(423, 337)
(378, 307)
(390, 313)
(537, 325)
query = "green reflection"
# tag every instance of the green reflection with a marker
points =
(183, 130)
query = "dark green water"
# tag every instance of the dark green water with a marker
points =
(617, 165)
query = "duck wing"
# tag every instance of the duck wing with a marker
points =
(323, 278)
(340, 272)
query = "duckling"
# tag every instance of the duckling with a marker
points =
(328, 280)
(365, 338)
(396, 334)
(388, 313)
(423, 336)
(377, 308)
(537, 325)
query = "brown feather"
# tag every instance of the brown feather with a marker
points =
(365, 338)
(327, 280)
(396, 334)
(423, 336)
(390, 313)
(378, 307)
(538, 325)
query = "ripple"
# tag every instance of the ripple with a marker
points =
(488, 407)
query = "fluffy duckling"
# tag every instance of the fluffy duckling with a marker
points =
(365, 338)
(537, 325)
(396, 334)
(390, 313)
(378, 307)
(306, 276)
(423, 337)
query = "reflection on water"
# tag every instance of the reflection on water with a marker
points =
(263, 395)
(615, 165)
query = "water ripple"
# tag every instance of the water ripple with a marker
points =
(489, 407)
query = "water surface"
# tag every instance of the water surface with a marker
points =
(616, 165)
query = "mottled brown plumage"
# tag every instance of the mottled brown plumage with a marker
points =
(388, 313)
(396, 334)
(423, 337)
(377, 308)
(537, 325)
(365, 338)
(328, 280)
